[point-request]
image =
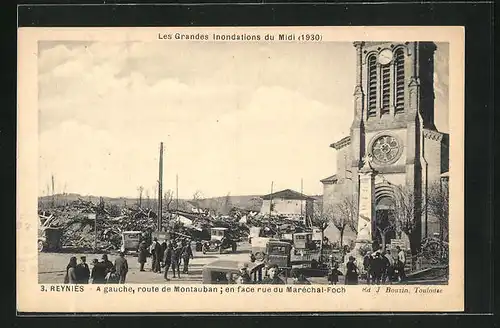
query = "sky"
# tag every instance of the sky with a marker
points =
(233, 117)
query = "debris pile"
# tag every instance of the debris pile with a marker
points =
(80, 219)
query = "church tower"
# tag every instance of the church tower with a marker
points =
(393, 125)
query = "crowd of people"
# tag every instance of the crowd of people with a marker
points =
(166, 256)
(103, 272)
(379, 267)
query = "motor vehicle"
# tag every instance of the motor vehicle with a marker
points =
(49, 238)
(278, 252)
(130, 242)
(220, 240)
(303, 240)
(218, 271)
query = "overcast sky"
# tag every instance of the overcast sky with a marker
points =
(233, 117)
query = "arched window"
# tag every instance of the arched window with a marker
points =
(386, 89)
(372, 86)
(399, 88)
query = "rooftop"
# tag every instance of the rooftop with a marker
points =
(287, 194)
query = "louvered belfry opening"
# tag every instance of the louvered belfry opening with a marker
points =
(372, 86)
(400, 80)
(386, 89)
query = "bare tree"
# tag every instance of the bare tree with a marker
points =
(148, 199)
(339, 220)
(140, 189)
(437, 202)
(407, 209)
(320, 219)
(347, 211)
(168, 197)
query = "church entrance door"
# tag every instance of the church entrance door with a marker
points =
(385, 224)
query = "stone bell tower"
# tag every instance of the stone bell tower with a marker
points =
(393, 125)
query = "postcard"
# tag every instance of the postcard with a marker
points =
(249, 170)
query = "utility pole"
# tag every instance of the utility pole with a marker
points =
(271, 200)
(177, 196)
(53, 193)
(160, 188)
(302, 201)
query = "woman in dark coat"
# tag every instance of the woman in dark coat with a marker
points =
(143, 255)
(70, 277)
(351, 276)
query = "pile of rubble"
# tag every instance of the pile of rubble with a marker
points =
(80, 219)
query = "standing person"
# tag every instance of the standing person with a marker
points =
(333, 275)
(167, 260)
(107, 264)
(143, 255)
(152, 249)
(158, 257)
(83, 271)
(70, 277)
(272, 276)
(98, 272)
(367, 261)
(176, 260)
(163, 247)
(244, 275)
(377, 268)
(387, 267)
(187, 253)
(401, 263)
(121, 268)
(351, 275)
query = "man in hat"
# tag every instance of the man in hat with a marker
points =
(108, 265)
(98, 272)
(187, 253)
(176, 259)
(143, 255)
(244, 276)
(401, 263)
(167, 260)
(82, 271)
(272, 276)
(121, 268)
(377, 267)
(155, 250)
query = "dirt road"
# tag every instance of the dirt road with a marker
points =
(51, 267)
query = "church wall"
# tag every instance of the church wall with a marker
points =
(432, 155)
(328, 195)
(343, 161)
(398, 179)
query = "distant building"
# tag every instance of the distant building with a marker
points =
(288, 203)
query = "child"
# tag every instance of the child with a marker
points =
(333, 275)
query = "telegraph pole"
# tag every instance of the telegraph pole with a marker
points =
(302, 201)
(271, 200)
(160, 188)
(53, 193)
(177, 196)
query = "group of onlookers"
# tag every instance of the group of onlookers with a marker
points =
(166, 255)
(378, 268)
(103, 272)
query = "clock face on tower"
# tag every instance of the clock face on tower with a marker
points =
(385, 57)
(385, 149)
